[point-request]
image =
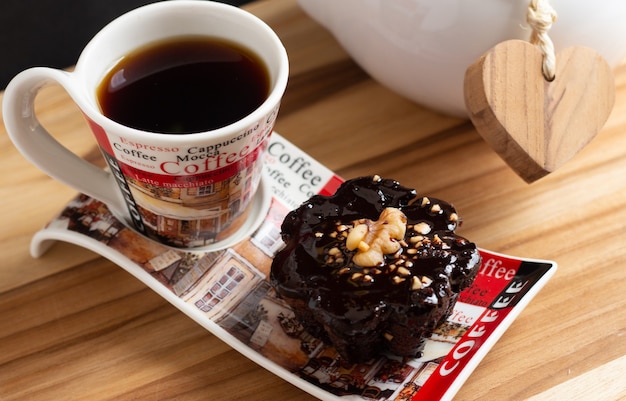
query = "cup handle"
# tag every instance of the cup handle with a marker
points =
(44, 151)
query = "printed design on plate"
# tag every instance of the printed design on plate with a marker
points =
(231, 288)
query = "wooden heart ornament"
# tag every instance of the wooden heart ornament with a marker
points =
(534, 124)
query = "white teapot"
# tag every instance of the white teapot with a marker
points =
(421, 48)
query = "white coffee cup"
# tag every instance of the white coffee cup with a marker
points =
(150, 173)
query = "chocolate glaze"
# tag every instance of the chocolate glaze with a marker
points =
(364, 317)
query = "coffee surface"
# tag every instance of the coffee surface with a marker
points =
(184, 85)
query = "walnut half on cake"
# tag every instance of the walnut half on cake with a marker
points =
(373, 267)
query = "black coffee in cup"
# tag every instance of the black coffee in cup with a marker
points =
(184, 85)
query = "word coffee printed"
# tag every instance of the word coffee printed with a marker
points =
(295, 175)
(500, 285)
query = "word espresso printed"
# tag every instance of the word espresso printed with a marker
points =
(163, 162)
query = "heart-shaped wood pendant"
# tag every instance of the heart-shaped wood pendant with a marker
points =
(534, 124)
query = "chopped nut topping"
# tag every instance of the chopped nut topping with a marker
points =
(416, 284)
(397, 280)
(334, 251)
(363, 246)
(374, 239)
(436, 208)
(416, 238)
(356, 236)
(425, 201)
(426, 281)
(344, 270)
(388, 336)
(422, 228)
(403, 271)
(453, 217)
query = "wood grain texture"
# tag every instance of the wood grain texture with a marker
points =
(75, 326)
(534, 124)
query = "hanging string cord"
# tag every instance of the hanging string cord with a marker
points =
(540, 17)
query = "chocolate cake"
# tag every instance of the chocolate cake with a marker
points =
(373, 267)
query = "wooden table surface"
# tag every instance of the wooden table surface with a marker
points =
(75, 326)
